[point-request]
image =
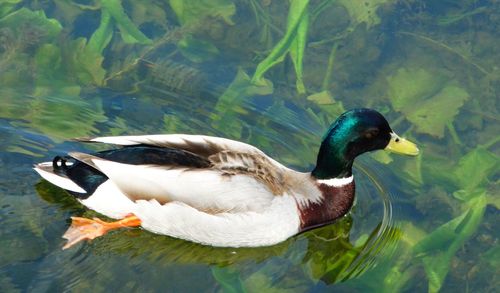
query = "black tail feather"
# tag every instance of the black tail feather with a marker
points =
(59, 164)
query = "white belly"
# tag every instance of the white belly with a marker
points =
(270, 225)
(275, 224)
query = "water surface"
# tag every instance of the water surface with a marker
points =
(84, 68)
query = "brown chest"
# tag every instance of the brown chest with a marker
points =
(336, 202)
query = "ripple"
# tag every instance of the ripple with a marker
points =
(383, 241)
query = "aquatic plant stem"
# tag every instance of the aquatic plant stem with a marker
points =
(320, 8)
(329, 68)
(169, 37)
(453, 133)
(264, 17)
(339, 36)
(491, 143)
(444, 46)
(447, 20)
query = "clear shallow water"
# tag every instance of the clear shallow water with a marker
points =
(177, 85)
(36, 214)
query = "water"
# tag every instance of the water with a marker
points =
(419, 224)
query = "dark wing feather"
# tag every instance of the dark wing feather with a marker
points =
(229, 156)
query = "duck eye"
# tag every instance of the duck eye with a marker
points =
(370, 133)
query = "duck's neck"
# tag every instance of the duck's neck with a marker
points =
(332, 162)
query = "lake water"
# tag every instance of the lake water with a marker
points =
(274, 74)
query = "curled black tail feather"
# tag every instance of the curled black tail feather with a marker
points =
(80, 173)
(59, 164)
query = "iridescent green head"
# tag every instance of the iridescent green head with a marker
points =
(353, 133)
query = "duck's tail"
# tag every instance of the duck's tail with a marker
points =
(49, 173)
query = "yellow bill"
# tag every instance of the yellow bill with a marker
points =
(402, 146)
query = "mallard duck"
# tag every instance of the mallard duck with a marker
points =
(217, 191)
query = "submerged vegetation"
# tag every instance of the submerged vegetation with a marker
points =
(430, 66)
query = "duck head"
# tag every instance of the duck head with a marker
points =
(355, 132)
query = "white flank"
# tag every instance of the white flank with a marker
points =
(246, 229)
(63, 182)
(336, 182)
(109, 201)
(203, 190)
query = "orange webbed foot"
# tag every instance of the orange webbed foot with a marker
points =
(88, 229)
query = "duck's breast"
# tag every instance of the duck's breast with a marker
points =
(336, 201)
